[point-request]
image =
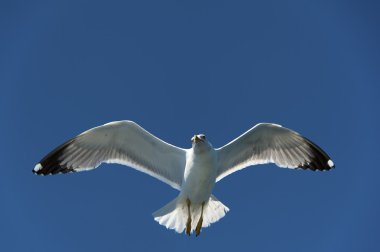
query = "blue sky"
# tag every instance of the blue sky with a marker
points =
(179, 68)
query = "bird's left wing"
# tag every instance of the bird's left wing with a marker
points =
(122, 142)
(271, 143)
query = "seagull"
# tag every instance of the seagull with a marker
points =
(193, 171)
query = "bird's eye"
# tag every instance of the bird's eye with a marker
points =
(203, 136)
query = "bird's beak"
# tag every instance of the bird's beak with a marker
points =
(195, 139)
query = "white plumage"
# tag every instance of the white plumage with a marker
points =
(193, 171)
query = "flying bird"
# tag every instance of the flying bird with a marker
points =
(193, 171)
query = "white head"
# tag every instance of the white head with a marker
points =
(200, 142)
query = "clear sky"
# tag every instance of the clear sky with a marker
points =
(178, 68)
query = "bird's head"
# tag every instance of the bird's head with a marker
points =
(198, 138)
(200, 141)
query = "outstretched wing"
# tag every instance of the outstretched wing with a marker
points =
(122, 142)
(271, 143)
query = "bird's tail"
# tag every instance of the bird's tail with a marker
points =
(174, 215)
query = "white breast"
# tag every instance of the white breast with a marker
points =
(200, 175)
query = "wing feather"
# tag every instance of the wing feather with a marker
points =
(122, 142)
(271, 143)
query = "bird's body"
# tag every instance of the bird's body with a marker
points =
(193, 171)
(200, 173)
(198, 181)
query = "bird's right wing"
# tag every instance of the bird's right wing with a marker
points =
(122, 142)
(271, 143)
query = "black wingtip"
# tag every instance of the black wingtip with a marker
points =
(51, 163)
(319, 160)
(40, 170)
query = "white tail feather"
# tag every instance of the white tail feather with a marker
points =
(214, 211)
(174, 215)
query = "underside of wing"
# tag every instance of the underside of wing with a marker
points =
(271, 143)
(122, 142)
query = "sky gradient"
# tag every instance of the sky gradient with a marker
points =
(178, 68)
